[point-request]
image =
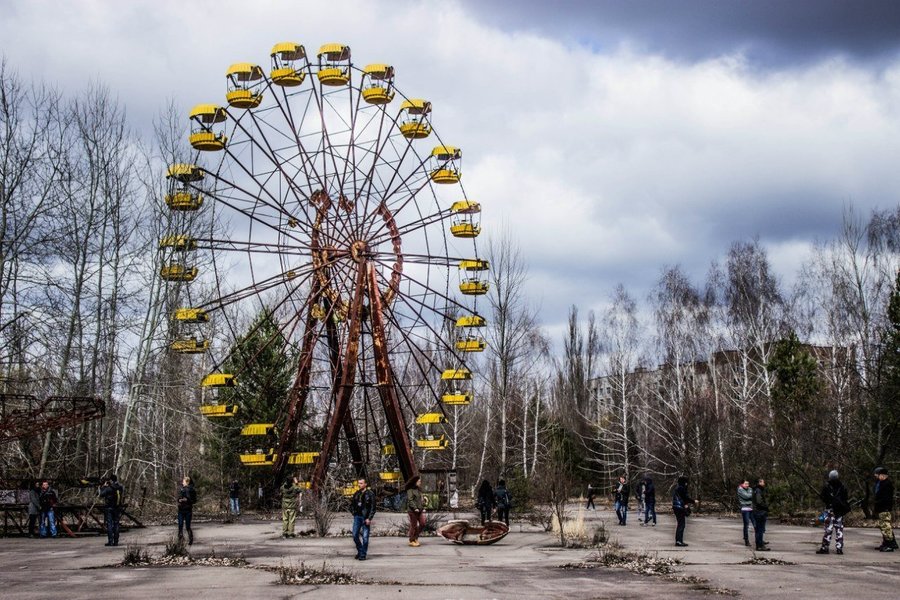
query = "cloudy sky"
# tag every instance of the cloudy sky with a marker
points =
(611, 137)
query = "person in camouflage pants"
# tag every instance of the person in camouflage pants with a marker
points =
(837, 505)
(884, 508)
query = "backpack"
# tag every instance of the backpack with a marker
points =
(120, 495)
(503, 499)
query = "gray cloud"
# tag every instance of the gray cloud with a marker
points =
(772, 32)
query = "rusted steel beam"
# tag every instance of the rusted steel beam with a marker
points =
(348, 376)
(386, 387)
(334, 353)
(23, 416)
(299, 391)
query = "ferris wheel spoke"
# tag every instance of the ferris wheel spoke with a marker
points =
(414, 192)
(410, 227)
(256, 288)
(431, 290)
(245, 246)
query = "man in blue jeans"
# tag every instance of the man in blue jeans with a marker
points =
(48, 502)
(362, 507)
(621, 493)
(760, 514)
(745, 502)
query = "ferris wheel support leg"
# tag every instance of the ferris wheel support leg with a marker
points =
(386, 388)
(334, 353)
(345, 389)
(297, 398)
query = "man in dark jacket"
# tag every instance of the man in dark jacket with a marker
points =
(622, 492)
(113, 494)
(503, 501)
(362, 507)
(681, 506)
(837, 504)
(187, 497)
(48, 502)
(649, 501)
(760, 514)
(884, 507)
(485, 501)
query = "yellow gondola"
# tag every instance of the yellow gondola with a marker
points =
(302, 458)
(242, 79)
(388, 450)
(257, 429)
(260, 458)
(471, 343)
(184, 201)
(465, 222)
(181, 243)
(190, 315)
(288, 64)
(390, 476)
(175, 272)
(473, 270)
(378, 84)
(457, 399)
(350, 489)
(214, 410)
(203, 137)
(334, 64)
(190, 346)
(461, 374)
(434, 418)
(413, 119)
(470, 321)
(431, 442)
(445, 164)
(217, 380)
(184, 173)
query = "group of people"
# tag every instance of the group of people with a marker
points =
(42, 502)
(489, 499)
(645, 492)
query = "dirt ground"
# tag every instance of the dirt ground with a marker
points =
(526, 564)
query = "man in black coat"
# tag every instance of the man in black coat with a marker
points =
(113, 494)
(760, 514)
(362, 507)
(884, 508)
(621, 493)
(837, 504)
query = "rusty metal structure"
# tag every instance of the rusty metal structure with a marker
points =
(23, 415)
(356, 231)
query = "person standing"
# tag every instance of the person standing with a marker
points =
(591, 494)
(416, 503)
(621, 496)
(649, 501)
(745, 503)
(34, 508)
(234, 497)
(187, 497)
(884, 507)
(760, 515)
(289, 492)
(837, 504)
(362, 507)
(681, 506)
(113, 494)
(640, 494)
(485, 501)
(503, 501)
(48, 500)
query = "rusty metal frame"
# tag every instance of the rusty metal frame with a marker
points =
(23, 416)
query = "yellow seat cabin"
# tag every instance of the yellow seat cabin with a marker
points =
(243, 83)
(445, 164)
(206, 134)
(413, 118)
(334, 64)
(465, 219)
(378, 83)
(288, 64)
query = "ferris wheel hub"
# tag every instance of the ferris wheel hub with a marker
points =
(359, 250)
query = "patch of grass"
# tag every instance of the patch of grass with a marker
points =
(303, 575)
(765, 560)
(135, 554)
(176, 547)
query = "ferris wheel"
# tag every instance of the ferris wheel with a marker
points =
(348, 217)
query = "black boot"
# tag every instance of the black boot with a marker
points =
(190, 538)
(823, 550)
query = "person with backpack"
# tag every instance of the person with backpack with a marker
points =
(48, 501)
(485, 501)
(234, 497)
(884, 508)
(649, 501)
(289, 492)
(113, 494)
(503, 502)
(187, 497)
(591, 494)
(621, 493)
(837, 504)
(745, 503)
